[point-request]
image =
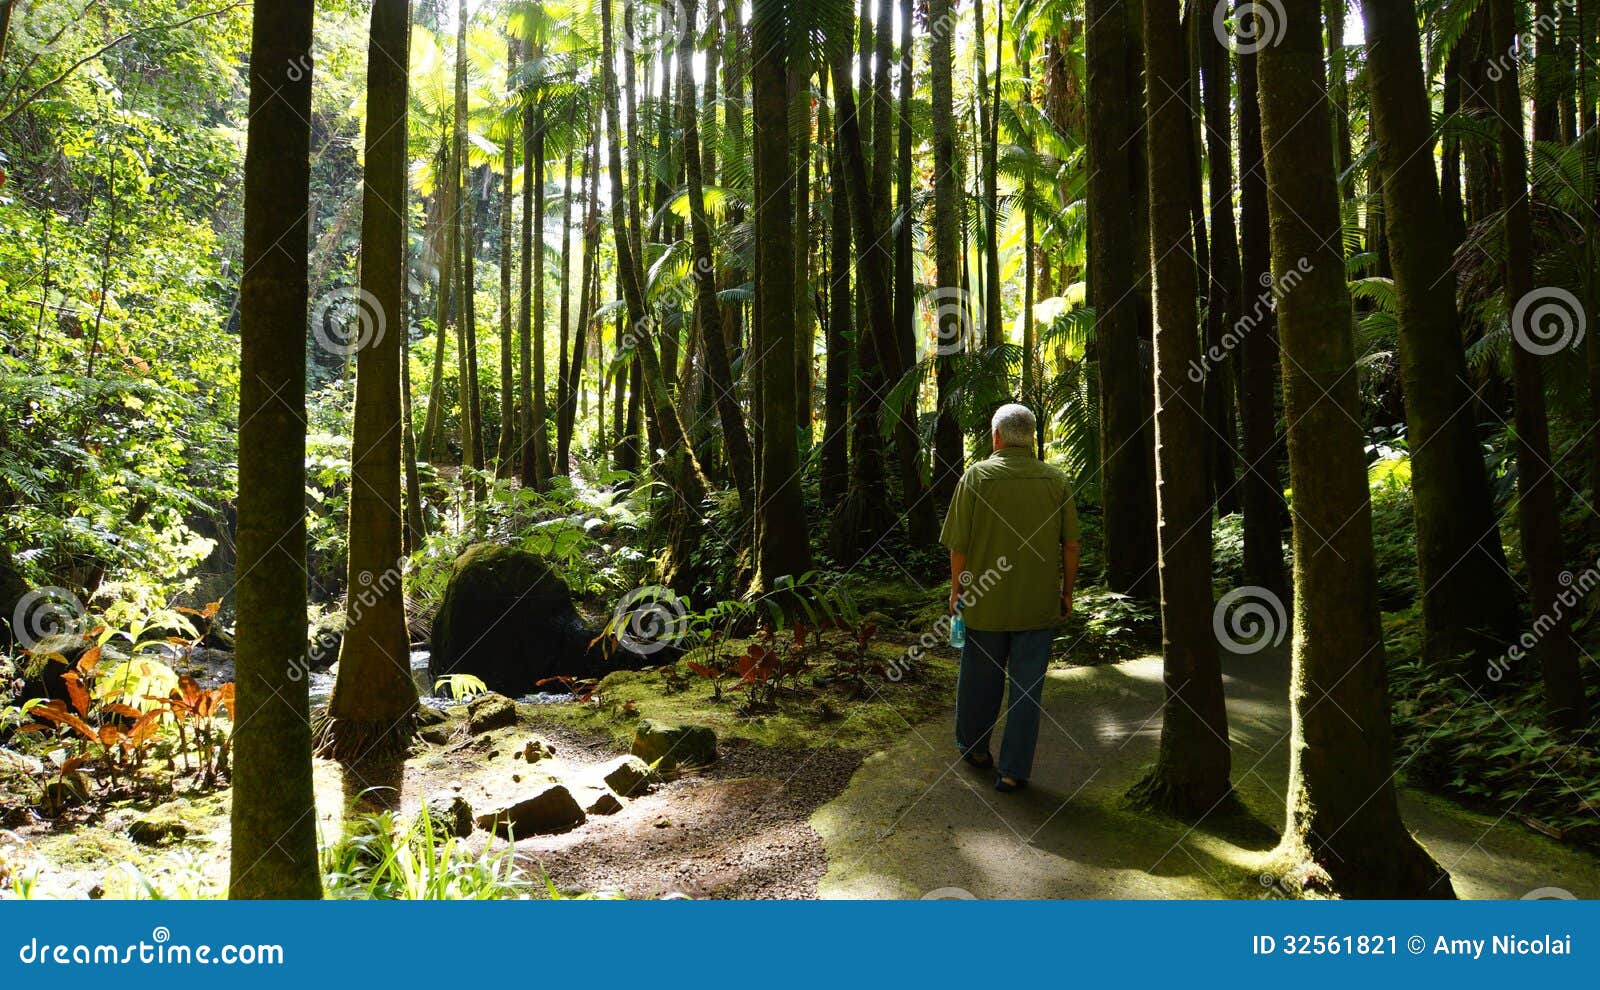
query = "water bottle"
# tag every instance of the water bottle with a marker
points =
(958, 629)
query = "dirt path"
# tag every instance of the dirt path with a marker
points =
(916, 822)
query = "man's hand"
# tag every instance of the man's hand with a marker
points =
(1066, 607)
(955, 599)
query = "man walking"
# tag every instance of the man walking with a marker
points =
(1012, 531)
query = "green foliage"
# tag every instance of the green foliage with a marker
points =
(381, 860)
(1491, 746)
(1107, 627)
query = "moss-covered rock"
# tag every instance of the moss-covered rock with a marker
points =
(508, 618)
(448, 816)
(628, 775)
(672, 746)
(490, 711)
(160, 826)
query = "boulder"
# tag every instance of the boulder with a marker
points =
(552, 808)
(604, 803)
(628, 775)
(672, 746)
(326, 637)
(450, 815)
(507, 617)
(490, 711)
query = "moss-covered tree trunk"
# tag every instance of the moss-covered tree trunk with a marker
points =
(525, 421)
(372, 712)
(1468, 601)
(274, 822)
(1342, 810)
(835, 461)
(1260, 490)
(1536, 505)
(783, 546)
(433, 442)
(1190, 777)
(1128, 487)
(505, 451)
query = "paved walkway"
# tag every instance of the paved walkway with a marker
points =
(916, 822)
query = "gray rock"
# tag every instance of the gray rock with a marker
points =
(628, 775)
(551, 809)
(672, 746)
(605, 803)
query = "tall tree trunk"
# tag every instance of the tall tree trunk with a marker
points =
(433, 442)
(1223, 289)
(1339, 92)
(835, 463)
(274, 824)
(1127, 486)
(1190, 777)
(531, 148)
(536, 453)
(904, 276)
(505, 453)
(580, 337)
(1536, 505)
(466, 242)
(1342, 810)
(735, 441)
(800, 233)
(1260, 490)
(372, 713)
(784, 548)
(954, 329)
(1468, 602)
(989, 141)
(416, 529)
(566, 396)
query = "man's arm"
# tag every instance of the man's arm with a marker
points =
(1069, 575)
(958, 566)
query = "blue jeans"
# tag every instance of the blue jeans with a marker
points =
(986, 661)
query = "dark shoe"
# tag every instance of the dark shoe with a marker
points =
(1005, 785)
(984, 762)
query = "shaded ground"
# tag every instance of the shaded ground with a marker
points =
(917, 822)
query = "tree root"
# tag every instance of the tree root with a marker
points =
(1161, 791)
(351, 741)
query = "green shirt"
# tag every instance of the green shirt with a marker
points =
(1010, 515)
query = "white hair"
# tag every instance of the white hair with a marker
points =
(1014, 425)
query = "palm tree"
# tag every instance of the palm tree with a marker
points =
(1468, 602)
(371, 714)
(1342, 811)
(1190, 777)
(947, 447)
(274, 841)
(1536, 505)
(1127, 486)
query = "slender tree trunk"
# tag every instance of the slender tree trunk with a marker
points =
(954, 330)
(1190, 777)
(372, 713)
(580, 337)
(835, 465)
(466, 248)
(1115, 267)
(1342, 810)
(735, 441)
(536, 453)
(784, 548)
(566, 389)
(416, 529)
(433, 443)
(274, 824)
(1536, 505)
(505, 453)
(800, 234)
(1468, 602)
(1261, 490)
(1223, 289)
